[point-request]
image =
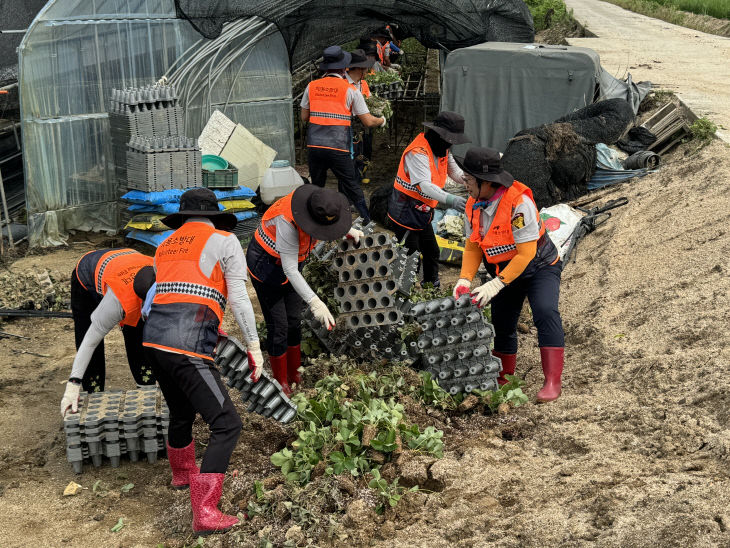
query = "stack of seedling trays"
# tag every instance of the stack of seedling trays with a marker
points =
(245, 229)
(150, 111)
(455, 344)
(392, 90)
(163, 163)
(375, 279)
(115, 423)
(265, 396)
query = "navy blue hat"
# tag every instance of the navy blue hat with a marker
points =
(334, 57)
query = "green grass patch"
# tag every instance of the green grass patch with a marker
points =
(546, 13)
(710, 16)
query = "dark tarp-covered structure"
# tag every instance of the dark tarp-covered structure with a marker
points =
(309, 26)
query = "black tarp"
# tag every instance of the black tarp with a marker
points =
(310, 26)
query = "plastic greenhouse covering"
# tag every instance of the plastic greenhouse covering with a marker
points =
(76, 51)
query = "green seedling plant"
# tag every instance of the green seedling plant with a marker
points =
(389, 493)
(510, 393)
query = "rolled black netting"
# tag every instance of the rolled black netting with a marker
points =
(557, 160)
(310, 26)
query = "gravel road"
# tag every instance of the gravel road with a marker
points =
(688, 62)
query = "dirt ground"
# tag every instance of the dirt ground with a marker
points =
(635, 453)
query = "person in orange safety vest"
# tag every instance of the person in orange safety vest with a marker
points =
(200, 269)
(504, 228)
(328, 104)
(108, 287)
(288, 231)
(419, 187)
(362, 139)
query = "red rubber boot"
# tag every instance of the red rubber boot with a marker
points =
(509, 362)
(278, 366)
(182, 463)
(205, 493)
(293, 362)
(552, 367)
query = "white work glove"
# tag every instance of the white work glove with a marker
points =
(456, 202)
(355, 235)
(321, 313)
(485, 293)
(255, 359)
(462, 286)
(70, 398)
(385, 121)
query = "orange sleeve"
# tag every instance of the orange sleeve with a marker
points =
(525, 253)
(470, 260)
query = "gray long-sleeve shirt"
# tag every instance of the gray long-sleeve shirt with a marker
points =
(287, 245)
(418, 169)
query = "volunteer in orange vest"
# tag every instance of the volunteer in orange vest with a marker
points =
(200, 268)
(504, 227)
(328, 104)
(108, 287)
(288, 231)
(362, 139)
(382, 37)
(419, 187)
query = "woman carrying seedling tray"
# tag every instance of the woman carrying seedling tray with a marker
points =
(288, 231)
(504, 227)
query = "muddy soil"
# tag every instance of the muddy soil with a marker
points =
(635, 453)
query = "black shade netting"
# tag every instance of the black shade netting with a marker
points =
(557, 160)
(308, 27)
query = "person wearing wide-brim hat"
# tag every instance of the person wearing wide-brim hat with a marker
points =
(288, 231)
(108, 287)
(370, 48)
(328, 104)
(200, 268)
(419, 187)
(362, 139)
(504, 228)
(381, 37)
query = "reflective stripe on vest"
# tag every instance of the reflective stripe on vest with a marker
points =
(179, 278)
(498, 244)
(266, 235)
(438, 172)
(116, 269)
(329, 117)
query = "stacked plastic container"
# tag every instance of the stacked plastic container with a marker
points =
(116, 423)
(163, 163)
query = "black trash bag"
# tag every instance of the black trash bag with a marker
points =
(557, 160)
(637, 139)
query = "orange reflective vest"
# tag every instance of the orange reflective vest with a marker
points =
(188, 306)
(365, 89)
(439, 171)
(116, 269)
(329, 116)
(266, 235)
(498, 244)
(381, 51)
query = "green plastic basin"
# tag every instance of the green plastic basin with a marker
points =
(212, 162)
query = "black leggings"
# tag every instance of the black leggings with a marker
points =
(282, 308)
(83, 303)
(192, 385)
(423, 241)
(542, 290)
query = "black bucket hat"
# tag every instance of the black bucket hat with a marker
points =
(450, 126)
(334, 57)
(486, 165)
(360, 60)
(322, 213)
(201, 202)
(143, 280)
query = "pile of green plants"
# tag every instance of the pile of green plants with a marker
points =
(353, 424)
(379, 106)
(383, 77)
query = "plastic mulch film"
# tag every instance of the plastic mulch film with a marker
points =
(75, 52)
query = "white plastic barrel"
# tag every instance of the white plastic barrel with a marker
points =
(279, 180)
